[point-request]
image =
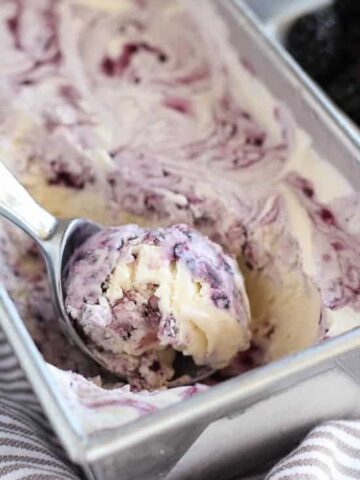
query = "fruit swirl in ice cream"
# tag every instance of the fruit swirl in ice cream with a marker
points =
(141, 111)
(139, 295)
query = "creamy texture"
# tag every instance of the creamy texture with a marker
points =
(86, 397)
(142, 112)
(139, 296)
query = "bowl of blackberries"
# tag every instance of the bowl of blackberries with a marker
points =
(326, 43)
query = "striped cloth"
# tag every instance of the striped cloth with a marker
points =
(30, 451)
(330, 452)
(28, 447)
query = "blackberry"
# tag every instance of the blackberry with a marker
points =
(315, 41)
(352, 41)
(348, 9)
(345, 91)
(349, 15)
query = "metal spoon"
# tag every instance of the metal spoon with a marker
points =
(57, 240)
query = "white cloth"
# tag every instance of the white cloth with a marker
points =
(29, 450)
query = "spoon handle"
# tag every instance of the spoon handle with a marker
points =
(20, 208)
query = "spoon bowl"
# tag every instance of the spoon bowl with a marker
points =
(67, 237)
(58, 239)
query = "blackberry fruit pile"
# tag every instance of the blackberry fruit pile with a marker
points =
(326, 43)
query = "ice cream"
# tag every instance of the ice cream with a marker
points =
(117, 406)
(141, 295)
(141, 111)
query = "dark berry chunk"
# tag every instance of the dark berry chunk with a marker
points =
(67, 179)
(315, 41)
(221, 300)
(345, 91)
(327, 217)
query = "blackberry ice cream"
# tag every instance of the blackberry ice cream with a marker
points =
(142, 111)
(139, 295)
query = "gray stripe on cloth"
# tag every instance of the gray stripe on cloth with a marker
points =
(351, 428)
(313, 461)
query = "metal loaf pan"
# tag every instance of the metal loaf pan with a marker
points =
(246, 422)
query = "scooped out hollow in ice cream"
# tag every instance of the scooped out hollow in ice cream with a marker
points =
(140, 295)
